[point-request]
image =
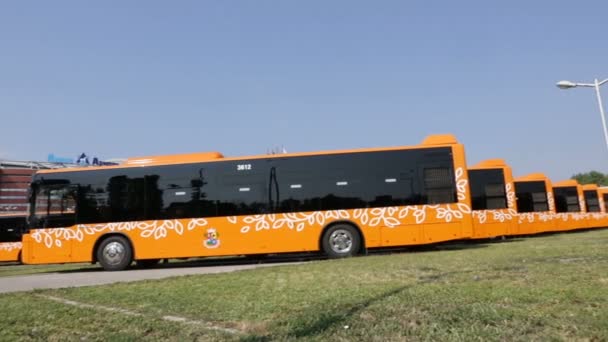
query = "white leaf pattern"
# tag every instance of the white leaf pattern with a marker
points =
(550, 201)
(461, 184)
(510, 195)
(10, 246)
(481, 215)
(420, 214)
(404, 212)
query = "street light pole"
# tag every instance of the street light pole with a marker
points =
(596, 85)
(599, 102)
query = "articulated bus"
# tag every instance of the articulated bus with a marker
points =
(595, 208)
(337, 202)
(569, 205)
(535, 204)
(493, 199)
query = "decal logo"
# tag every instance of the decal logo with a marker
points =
(212, 240)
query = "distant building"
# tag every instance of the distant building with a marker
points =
(15, 178)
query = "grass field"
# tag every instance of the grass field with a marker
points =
(543, 288)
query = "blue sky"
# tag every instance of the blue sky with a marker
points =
(131, 78)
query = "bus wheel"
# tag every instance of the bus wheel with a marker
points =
(341, 240)
(147, 263)
(114, 253)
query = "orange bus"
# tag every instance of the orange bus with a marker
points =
(569, 206)
(596, 211)
(493, 199)
(11, 227)
(535, 204)
(603, 198)
(198, 205)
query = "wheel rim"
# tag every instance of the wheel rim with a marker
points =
(341, 241)
(114, 253)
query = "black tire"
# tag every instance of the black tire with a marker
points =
(114, 253)
(146, 263)
(341, 241)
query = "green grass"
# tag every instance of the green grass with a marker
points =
(543, 288)
(15, 269)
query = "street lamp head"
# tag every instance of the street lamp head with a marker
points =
(565, 84)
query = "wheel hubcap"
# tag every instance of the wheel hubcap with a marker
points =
(341, 241)
(114, 253)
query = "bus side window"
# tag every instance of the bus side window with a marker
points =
(55, 206)
(93, 204)
(242, 194)
(591, 199)
(540, 201)
(126, 198)
(439, 185)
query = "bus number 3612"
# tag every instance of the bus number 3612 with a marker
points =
(243, 167)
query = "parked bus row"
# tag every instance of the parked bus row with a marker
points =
(340, 203)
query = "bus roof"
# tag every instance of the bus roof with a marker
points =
(490, 164)
(428, 142)
(565, 183)
(174, 158)
(440, 139)
(532, 177)
(590, 187)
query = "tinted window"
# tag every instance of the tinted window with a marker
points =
(531, 196)
(243, 187)
(362, 180)
(592, 202)
(55, 205)
(11, 228)
(438, 185)
(566, 199)
(488, 189)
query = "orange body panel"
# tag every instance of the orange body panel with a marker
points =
(261, 234)
(273, 233)
(537, 222)
(497, 222)
(9, 251)
(597, 219)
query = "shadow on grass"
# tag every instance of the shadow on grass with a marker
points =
(440, 246)
(336, 318)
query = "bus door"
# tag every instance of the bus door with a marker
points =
(53, 217)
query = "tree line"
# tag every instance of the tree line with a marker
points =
(592, 177)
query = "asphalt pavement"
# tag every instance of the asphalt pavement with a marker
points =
(89, 277)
